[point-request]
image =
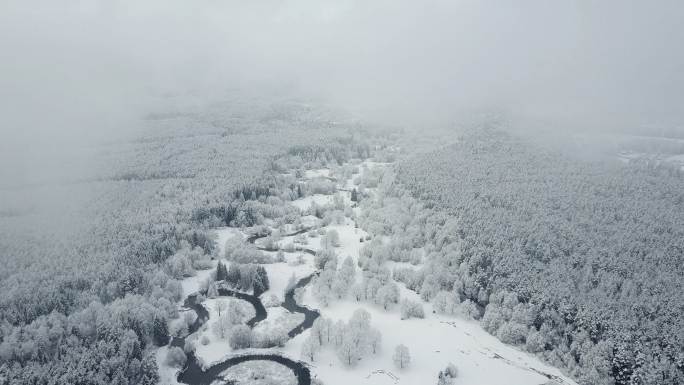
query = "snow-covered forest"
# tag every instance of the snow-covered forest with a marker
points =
(335, 192)
(578, 261)
(85, 305)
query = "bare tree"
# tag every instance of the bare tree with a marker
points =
(220, 306)
(222, 326)
(401, 356)
(374, 340)
(348, 351)
(411, 309)
(310, 347)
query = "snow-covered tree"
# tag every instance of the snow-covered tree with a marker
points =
(323, 257)
(411, 309)
(222, 326)
(179, 265)
(310, 348)
(347, 270)
(448, 375)
(233, 274)
(212, 292)
(387, 295)
(160, 331)
(322, 330)
(445, 302)
(360, 319)
(339, 288)
(333, 237)
(348, 351)
(535, 342)
(240, 337)
(260, 283)
(220, 306)
(339, 330)
(236, 312)
(221, 272)
(358, 291)
(492, 319)
(175, 357)
(469, 309)
(401, 356)
(374, 340)
(269, 338)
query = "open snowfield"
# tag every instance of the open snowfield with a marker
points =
(192, 284)
(433, 342)
(279, 274)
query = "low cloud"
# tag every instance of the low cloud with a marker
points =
(77, 72)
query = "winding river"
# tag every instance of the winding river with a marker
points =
(193, 373)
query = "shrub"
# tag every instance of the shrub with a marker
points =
(204, 340)
(512, 333)
(175, 357)
(240, 337)
(411, 309)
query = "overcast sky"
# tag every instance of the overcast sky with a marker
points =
(77, 71)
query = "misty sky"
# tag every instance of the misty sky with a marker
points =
(74, 72)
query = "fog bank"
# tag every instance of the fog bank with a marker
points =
(77, 72)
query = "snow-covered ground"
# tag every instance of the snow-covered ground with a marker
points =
(279, 274)
(319, 199)
(279, 318)
(434, 342)
(350, 240)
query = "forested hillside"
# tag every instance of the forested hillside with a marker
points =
(581, 262)
(82, 294)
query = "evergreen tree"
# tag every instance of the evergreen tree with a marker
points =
(622, 364)
(160, 331)
(212, 291)
(149, 372)
(261, 283)
(221, 272)
(233, 274)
